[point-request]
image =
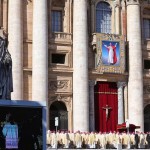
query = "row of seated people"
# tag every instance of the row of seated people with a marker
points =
(111, 140)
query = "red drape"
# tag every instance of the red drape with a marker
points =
(106, 94)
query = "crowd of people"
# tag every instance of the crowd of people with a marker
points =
(111, 140)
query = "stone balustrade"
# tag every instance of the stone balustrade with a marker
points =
(61, 36)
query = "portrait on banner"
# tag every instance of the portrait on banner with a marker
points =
(110, 53)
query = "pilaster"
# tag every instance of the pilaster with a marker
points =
(93, 21)
(67, 16)
(120, 102)
(91, 106)
(117, 17)
(126, 102)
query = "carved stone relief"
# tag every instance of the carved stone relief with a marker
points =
(60, 85)
(146, 89)
(58, 3)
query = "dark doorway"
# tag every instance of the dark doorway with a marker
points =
(58, 109)
(106, 106)
(147, 118)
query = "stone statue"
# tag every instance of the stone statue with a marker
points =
(6, 84)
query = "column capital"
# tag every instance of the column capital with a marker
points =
(117, 4)
(121, 84)
(91, 83)
(92, 2)
(133, 2)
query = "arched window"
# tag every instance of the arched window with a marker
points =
(103, 18)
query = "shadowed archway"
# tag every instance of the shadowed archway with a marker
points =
(58, 109)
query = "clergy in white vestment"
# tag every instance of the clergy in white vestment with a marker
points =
(53, 139)
(78, 139)
(48, 137)
(92, 140)
(142, 141)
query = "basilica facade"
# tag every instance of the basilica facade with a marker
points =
(89, 60)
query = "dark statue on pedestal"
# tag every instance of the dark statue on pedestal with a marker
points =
(6, 84)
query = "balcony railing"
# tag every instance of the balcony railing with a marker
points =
(61, 37)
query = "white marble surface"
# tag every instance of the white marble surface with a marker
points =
(80, 67)
(15, 38)
(40, 51)
(120, 103)
(135, 85)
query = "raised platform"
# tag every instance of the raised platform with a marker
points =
(94, 149)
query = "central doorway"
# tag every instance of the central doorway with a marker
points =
(58, 109)
(106, 106)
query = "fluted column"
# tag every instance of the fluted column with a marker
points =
(15, 37)
(40, 51)
(135, 92)
(120, 102)
(80, 67)
(91, 106)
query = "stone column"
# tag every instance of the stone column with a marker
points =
(80, 67)
(71, 13)
(123, 19)
(1, 21)
(91, 106)
(40, 51)
(67, 16)
(120, 102)
(15, 37)
(135, 85)
(93, 21)
(126, 102)
(5, 15)
(117, 17)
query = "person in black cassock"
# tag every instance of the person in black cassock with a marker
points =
(136, 140)
(6, 84)
(148, 140)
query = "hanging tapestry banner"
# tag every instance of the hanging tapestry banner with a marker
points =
(110, 53)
